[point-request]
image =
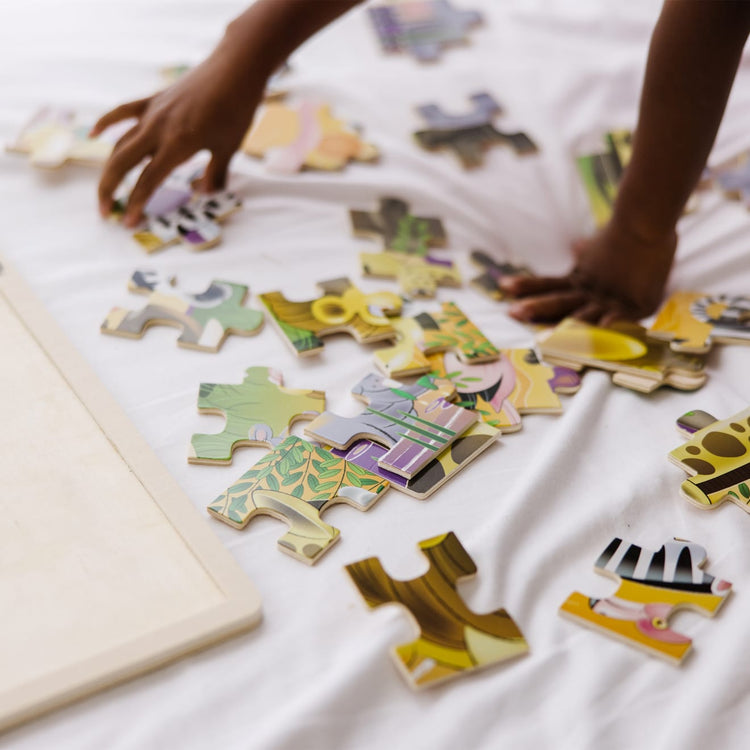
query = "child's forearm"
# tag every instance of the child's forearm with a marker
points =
(695, 50)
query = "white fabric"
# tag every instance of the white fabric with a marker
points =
(534, 511)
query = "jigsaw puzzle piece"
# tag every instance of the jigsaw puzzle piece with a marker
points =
(492, 272)
(206, 319)
(734, 178)
(453, 640)
(405, 357)
(717, 458)
(258, 411)
(296, 482)
(418, 277)
(653, 585)
(342, 308)
(451, 330)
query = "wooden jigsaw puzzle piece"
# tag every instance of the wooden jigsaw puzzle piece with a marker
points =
(400, 231)
(342, 308)
(417, 276)
(367, 454)
(296, 482)
(258, 411)
(734, 178)
(451, 330)
(488, 281)
(652, 586)
(206, 319)
(405, 357)
(717, 458)
(453, 640)
(415, 423)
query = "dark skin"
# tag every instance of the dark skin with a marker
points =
(621, 272)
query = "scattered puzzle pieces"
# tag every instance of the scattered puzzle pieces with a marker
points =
(488, 281)
(653, 585)
(304, 135)
(342, 307)
(453, 640)
(624, 349)
(295, 483)
(422, 28)
(717, 458)
(693, 321)
(206, 319)
(415, 423)
(469, 135)
(258, 411)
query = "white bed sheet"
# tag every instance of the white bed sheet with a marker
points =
(534, 511)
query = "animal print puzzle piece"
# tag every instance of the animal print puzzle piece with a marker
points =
(295, 483)
(400, 231)
(717, 459)
(653, 585)
(54, 137)
(451, 330)
(692, 321)
(501, 391)
(414, 422)
(422, 27)
(453, 640)
(342, 307)
(258, 411)
(624, 349)
(734, 178)
(206, 319)
(305, 135)
(418, 277)
(488, 281)
(470, 135)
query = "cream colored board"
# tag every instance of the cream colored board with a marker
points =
(107, 569)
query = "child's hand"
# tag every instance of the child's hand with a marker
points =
(617, 275)
(211, 107)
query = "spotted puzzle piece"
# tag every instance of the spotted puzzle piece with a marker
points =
(492, 272)
(415, 423)
(653, 585)
(693, 321)
(305, 135)
(717, 459)
(422, 28)
(342, 307)
(469, 135)
(453, 640)
(295, 483)
(501, 391)
(206, 319)
(637, 362)
(258, 411)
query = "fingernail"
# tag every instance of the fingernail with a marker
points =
(105, 208)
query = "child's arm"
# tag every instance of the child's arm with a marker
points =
(621, 272)
(212, 106)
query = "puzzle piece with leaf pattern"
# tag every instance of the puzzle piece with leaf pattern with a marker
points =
(258, 411)
(453, 640)
(422, 27)
(717, 459)
(492, 272)
(653, 585)
(305, 135)
(469, 135)
(206, 319)
(295, 483)
(342, 307)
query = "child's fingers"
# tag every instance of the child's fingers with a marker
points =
(164, 161)
(548, 307)
(122, 160)
(215, 177)
(123, 112)
(591, 312)
(524, 286)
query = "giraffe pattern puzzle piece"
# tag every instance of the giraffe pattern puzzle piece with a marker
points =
(342, 308)
(422, 28)
(693, 321)
(501, 391)
(453, 641)
(305, 135)
(414, 422)
(492, 272)
(717, 458)
(469, 135)
(637, 362)
(206, 319)
(258, 411)
(295, 483)
(653, 585)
